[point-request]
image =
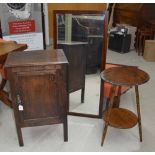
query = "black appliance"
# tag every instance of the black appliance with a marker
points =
(119, 41)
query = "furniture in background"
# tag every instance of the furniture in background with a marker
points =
(119, 42)
(75, 52)
(7, 47)
(151, 23)
(121, 117)
(39, 88)
(138, 15)
(149, 50)
(131, 30)
(143, 33)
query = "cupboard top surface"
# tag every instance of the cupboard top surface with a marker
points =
(36, 58)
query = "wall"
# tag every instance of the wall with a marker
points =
(71, 6)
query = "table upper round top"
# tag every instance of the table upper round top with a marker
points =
(124, 75)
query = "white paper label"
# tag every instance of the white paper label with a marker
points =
(20, 107)
(33, 40)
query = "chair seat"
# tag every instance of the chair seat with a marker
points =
(3, 72)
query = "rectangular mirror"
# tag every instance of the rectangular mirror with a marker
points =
(83, 37)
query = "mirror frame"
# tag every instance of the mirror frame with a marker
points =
(103, 54)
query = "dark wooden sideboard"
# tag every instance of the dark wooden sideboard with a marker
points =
(76, 55)
(39, 88)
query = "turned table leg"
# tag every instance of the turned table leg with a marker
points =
(112, 95)
(138, 112)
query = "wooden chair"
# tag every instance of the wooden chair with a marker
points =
(5, 48)
(3, 94)
(143, 33)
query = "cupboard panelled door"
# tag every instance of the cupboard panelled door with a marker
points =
(38, 94)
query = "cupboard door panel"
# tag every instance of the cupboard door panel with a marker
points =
(38, 94)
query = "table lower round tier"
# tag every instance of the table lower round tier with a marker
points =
(120, 118)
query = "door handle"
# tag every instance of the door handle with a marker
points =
(19, 103)
(18, 99)
(52, 77)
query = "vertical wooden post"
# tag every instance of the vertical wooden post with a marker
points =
(138, 112)
(112, 95)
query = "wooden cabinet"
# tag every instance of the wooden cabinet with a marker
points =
(76, 55)
(38, 82)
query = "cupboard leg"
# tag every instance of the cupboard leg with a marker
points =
(65, 127)
(18, 128)
(138, 112)
(82, 95)
(20, 137)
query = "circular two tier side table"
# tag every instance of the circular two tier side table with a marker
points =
(121, 117)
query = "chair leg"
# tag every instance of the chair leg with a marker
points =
(137, 41)
(142, 51)
(2, 85)
(104, 133)
(138, 48)
(138, 112)
(4, 97)
(141, 45)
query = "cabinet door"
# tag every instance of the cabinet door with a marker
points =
(38, 92)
